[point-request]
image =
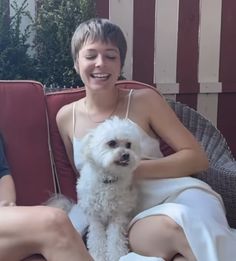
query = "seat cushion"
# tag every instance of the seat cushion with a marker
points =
(23, 124)
(65, 175)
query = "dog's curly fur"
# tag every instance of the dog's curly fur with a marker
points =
(109, 155)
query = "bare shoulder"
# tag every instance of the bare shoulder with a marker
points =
(147, 94)
(64, 120)
(64, 112)
(150, 99)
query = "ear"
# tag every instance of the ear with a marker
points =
(76, 66)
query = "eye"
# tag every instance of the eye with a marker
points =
(128, 145)
(112, 144)
(111, 57)
(90, 57)
(89, 54)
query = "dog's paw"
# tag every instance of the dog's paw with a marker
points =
(99, 258)
(99, 255)
(98, 252)
(114, 253)
(117, 242)
(96, 241)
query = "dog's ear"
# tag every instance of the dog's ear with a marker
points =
(84, 149)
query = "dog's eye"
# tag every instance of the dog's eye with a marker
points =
(128, 145)
(112, 143)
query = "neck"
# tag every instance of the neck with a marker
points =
(101, 105)
(101, 99)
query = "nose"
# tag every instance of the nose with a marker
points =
(125, 156)
(99, 61)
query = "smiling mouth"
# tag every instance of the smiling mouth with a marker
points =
(100, 76)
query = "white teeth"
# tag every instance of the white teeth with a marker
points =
(100, 75)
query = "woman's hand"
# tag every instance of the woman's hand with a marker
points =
(141, 170)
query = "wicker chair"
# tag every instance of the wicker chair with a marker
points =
(221, 175)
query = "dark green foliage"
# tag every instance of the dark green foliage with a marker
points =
(15, 62)
(55, 24)
(49, 59)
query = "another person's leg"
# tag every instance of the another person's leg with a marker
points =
(30, 230)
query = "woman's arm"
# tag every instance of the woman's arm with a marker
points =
(65, 127)
(189, 157)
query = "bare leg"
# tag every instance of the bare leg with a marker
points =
(39, 230)
(159, 236)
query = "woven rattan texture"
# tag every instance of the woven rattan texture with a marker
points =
(221, 175)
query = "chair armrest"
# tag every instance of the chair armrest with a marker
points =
(223, 180)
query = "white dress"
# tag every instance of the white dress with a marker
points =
(190, 202)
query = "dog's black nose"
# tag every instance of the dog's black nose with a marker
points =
(125, 156)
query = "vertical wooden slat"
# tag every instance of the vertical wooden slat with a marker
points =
(121, 13)
(188, 99)
(187, 60)
(102, 8)
(166, 32)
(226, 118)
(228, 46)
(209, 41)
(143, 41)
(207, 105)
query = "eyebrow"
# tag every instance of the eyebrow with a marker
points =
(107, 50)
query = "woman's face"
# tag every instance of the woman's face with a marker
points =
(98, 64)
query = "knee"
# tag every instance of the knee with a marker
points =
(53, 217)
(154, 236)
(56, 225)
(154, 227)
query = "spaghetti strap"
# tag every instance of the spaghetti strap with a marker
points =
(128, 105)
(73, 119)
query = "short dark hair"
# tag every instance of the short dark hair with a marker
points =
(98, 29)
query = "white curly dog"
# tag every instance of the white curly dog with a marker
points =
(109, 154)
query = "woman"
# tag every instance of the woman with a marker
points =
(177, 214)
(25, 231)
